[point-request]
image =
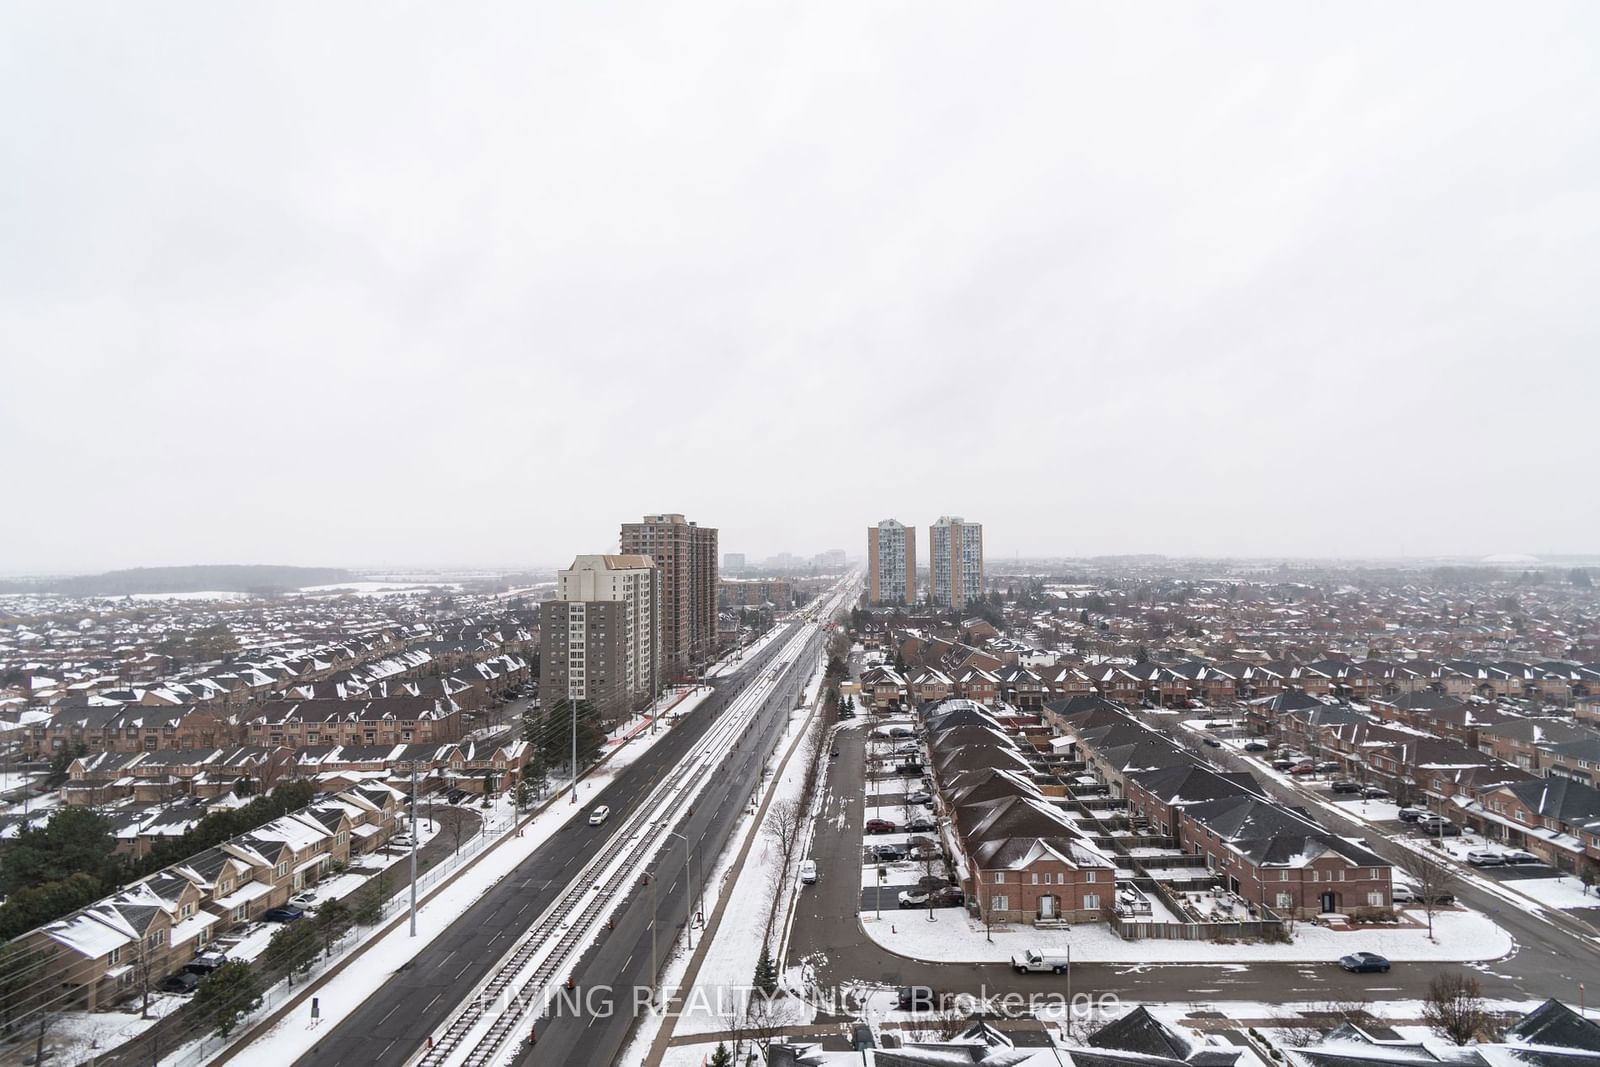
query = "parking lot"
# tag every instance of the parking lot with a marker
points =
(902, 848)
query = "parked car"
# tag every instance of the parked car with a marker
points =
(1364, 962)
(1282, 764)
(901, 731)
(920, 796)
(881, 826)
(183, 983)
(1345, 787)
(1438, 826)
(1255, 746)
(1516, 855)
(1484, 857)
(1211, 742)
(908, 770)
(1410, 814)
(1327, 766)
(1302, 768)
(888, 853)
(917, 998)
(286, 914)
(949, 897)
(808, 872)
(205, 963)
(1374, 792)
(599, 815)
(456, 796)
(401, 841)
(913, 898)
(1401, 893)
(922, 824)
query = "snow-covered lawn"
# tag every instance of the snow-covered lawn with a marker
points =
(77, 1036)
(958, 938)
(1557, 891)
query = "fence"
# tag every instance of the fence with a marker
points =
(205, 1049)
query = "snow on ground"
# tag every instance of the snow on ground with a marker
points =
(1559, 891)
(730, 963)
(735, 659)
(77, 1036)
(957, 938)
(379, 588)
(1368, 811)
(208, 594)
(290, 1038)
(731, 959)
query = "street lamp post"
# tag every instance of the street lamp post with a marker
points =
(688, 901)
(414, 849)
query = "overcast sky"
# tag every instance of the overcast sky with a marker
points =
(460, 284)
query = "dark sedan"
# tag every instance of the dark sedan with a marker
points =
(1364, 963)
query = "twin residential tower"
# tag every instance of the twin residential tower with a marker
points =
(955, 563)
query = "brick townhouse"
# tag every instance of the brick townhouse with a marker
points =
(109, 950)
(1557, 819)
(1279, 858)
(386, 721)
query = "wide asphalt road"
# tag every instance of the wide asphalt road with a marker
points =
(418, 1000)
(612, 970)
(827, 930)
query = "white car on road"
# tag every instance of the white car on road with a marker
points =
(599, 815)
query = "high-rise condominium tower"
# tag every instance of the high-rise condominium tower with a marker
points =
(891, 563)
(685, 554)
(599, 639)
(955, 562)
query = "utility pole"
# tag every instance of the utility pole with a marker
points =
(414, 849)
(653, 971)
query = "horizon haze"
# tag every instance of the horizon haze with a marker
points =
(476, 286)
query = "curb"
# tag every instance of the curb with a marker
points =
(262, 1026)
(708, 933)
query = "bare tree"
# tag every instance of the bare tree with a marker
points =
(1337, 1012)
(1433, 880)
(43, 1022)
(1454, 1008)
(785, 824)
(1295, 1030)
(766, 1017)
(733, 1022)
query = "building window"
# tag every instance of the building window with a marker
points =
(1285, 901)
(1091, 901)
(999, 878)
(999, 904)
(1089, 876)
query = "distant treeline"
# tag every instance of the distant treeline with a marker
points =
(228, 578)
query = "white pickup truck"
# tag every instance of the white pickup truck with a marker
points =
(1031, 962)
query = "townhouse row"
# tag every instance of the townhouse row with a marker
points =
(117, 946)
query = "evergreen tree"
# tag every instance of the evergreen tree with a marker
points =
(722, 1057)
(231, 993)
(766, 978)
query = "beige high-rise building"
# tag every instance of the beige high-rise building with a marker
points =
(955, 562)
(685, 555)
(599, 639)
(891, 563)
